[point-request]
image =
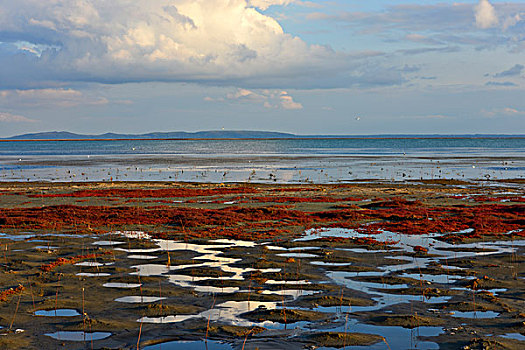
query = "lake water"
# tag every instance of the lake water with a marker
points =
(281, 161)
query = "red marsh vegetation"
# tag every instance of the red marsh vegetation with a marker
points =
(395, 215)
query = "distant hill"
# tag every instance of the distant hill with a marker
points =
(224, 134)
(221, 134)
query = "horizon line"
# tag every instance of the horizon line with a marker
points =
(302, 137)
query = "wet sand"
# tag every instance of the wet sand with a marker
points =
(433, 264)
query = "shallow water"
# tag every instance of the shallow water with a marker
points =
(138, 299)
(475, 314)
(107, 243)
(44, 247)
(325, 160)
(403, 242)
(16, 238)
(92, 264)
(142, 257)
(396, 337)
(89, 274)
(121, 285)
(298, 255)
(189, 345)
(516, 336)
(57, 313)
(212, 255)
(78, 336)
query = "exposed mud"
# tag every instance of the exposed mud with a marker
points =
(322, 265)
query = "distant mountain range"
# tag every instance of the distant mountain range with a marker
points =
(217, 134)
(220, 134)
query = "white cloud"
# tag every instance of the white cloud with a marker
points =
(513, 20)
(119, 41)
(506, 111)
(287, 102)
(512, 111)
(264, 4)
(267, 98)
(13, 118)
(485, 14)
(48, 97)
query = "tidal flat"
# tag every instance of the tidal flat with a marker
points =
(170, 265)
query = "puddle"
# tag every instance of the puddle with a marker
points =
(150, 270)
(107, 243)
(211, 255)
(57, 313)
(131, 234)
(230, 312)
(293, 293)
(139, 250)
(138, 299)
(442, 279)
(121, 285)
(272, 247)
(78, 336)
(287, 282)
(93, 264)
(298, 255)
(142, 257)
(322, 263)
(396, 337)
(16, 238)
(475, 314)
(88, 274)
(45, 247)
(167, 319)
(189, 345)
(516, 336)
(227, 312)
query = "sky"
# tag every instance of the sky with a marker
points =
(305, 67)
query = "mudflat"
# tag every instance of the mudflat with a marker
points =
(151, 265)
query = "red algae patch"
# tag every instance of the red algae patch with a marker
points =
(154, 193)
(4, 295)
(71, 260)
(242, 221)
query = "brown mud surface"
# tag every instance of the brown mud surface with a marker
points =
(61, 243)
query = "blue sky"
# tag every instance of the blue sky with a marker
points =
(306, 67)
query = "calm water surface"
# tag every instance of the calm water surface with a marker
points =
(281, 161)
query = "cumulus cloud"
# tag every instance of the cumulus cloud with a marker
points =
(120, 41)
(13, 118)
(264, 4)
(513, 20)
(267, 98)
(485, 15)
(287, 102)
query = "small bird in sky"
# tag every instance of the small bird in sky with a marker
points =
(357, 118)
